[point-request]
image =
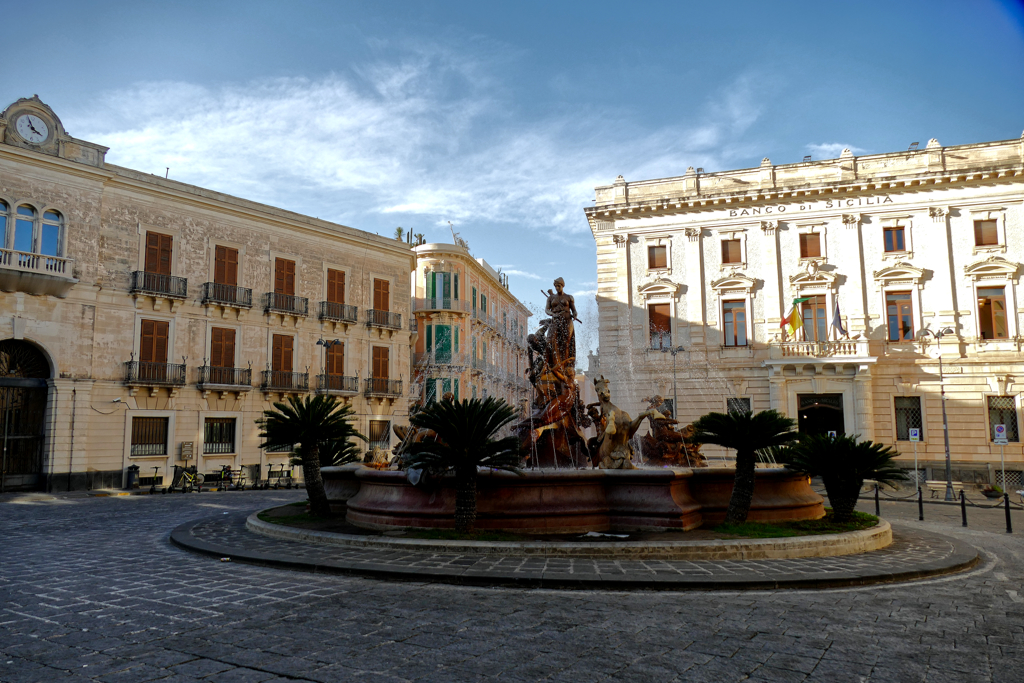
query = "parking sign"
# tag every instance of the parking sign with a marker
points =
(1000, 435)
(915, 434)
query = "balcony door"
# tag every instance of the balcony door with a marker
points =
(336, 360)
(335, 286)
(284, 277)
(813, 313)
(159, 249)
(153, 350)
(222, 355)
(381, 295)
(281, 357)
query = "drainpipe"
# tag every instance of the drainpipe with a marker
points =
(71, 453)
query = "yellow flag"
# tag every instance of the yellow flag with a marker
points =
(795, 322)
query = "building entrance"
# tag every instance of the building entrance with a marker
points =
(23, 373)
(820, 413)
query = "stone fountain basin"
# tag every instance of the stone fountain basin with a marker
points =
(568, 501)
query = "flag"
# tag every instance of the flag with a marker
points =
(795, 321)
(837, 322)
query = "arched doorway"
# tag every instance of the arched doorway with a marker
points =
(821, 414)
(23, 374)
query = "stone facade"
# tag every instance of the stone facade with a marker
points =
(709, 264)
(151, 298)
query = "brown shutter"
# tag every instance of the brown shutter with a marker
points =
(225, 268)
(281, 360)
(158, 253)
(381, 295)
(153, 342)
(380, 362)
(335, 286)
(222, 347)
(336, 360)
(284, 277)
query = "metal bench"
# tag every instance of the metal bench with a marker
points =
(938, 487)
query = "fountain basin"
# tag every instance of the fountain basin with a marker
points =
(569, 501)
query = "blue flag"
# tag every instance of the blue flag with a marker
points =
(837, 322)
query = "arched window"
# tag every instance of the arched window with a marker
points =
(31, 235)
(24, 225)
(49, 236)
(3, 224)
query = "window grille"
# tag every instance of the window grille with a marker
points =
(287, 448)
(1014, 480)
(737, 405)
(908, 416)
(1002, 410)
(380, 433)
(219, 435)
(149, 435)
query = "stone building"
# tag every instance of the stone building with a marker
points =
(471, 331)
(876, 253)
(145, 321)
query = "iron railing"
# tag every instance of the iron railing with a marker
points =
(340, 312)
(285, 303)
(154, 283)
(385, 319)
(224, 377)
(278, 380)
(440, 303)
(381, 386)
(154, 374)
(228, 295)
(337, 384)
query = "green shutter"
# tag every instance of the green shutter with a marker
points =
(430, 338)
(455, 388)
(474, 298)
(455, 287)
(456, 340)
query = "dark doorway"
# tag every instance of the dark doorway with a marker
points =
(821, 413)
(23, 373)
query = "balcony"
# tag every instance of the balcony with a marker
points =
(384, 320)
(338, 313)
(154, 375)
(283, 382)
(224, 380)
(159, 288)
(481, 317)
(228, 296)
(440, 304)
(845, 348)
(381, 387)
(441, 358)
(479, 365)
(286, 305)
(336, 384)
(36, 273)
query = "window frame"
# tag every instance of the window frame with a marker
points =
(895, 418)
(1014, 411)
(989, 213)
(913, 315)
(222, 419)
(739, 251)
(650, 326)
(131, 436)
(37, 223)
(981, 320)
(893, 229)
(744, 304)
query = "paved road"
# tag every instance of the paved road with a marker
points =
(90, 589)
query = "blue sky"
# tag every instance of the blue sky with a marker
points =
(502, 117)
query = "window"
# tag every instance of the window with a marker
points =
(985, 233)
(381, 360)
(1002, 410)
(900, 314)
(813, 313)
(149, 435)
(731, 251)
(225, 266)
(282, 353)
(379, 433)
(659, 319)
(219, 435)
(49, 235)
(3, 224)
(336, 359)
(24, 225)
(992, 313)
(908, 416)
(657, 257)
(810, 245)
(335, 286)
(284, 277)
(158, 253)
(222, 355)
(737, 405)
(153, 342)
(474, 298)
(734, 322)
(895, 238)
(381, 295)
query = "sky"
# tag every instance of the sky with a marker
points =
(503, 117)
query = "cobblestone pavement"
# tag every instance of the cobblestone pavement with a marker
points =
(91, 589)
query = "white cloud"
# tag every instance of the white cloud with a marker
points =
(521, 273)
(832, 150)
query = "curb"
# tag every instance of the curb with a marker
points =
(787, 548)
(964, 557)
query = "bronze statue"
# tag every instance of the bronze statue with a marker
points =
(560, 334)
(664, 445)
(614, 446)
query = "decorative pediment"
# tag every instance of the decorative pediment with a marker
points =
(734, 283)
(994, 267)
(899, 273)
(660, 287)
(813, 277)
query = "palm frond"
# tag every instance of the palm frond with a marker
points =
(744, 431)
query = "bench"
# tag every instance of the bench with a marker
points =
(938, 487)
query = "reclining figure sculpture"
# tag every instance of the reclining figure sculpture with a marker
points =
(613, 447)
(664, 445)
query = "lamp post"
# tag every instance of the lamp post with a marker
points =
(675, 398)
(942, 389)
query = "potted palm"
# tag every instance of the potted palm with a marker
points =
(993, 491)
(843, 463)
(747, 433)
(322, 431)
(466, 439)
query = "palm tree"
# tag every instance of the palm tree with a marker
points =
(843, 463)
(399, 234)
(465, 440)
(321, 427)
(747, 433)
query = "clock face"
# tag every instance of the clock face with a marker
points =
(32, 128)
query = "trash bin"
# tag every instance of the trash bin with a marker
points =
(132, 480)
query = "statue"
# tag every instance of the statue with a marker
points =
(664, 445)
(615, 432)
(560, 334)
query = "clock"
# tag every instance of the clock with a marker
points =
(32, 128)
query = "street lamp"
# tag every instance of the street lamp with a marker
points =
(675, 398)
(942, 388)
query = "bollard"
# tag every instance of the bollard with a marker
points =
(1006, 503)
(963, 506)
(920, 505)
(878, 510)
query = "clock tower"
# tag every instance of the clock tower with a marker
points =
(31, 124)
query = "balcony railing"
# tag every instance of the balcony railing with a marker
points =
(480, 315)
(849, 348)
(339, 312)
(154, 374)
(278, 380)
(481, 365)
(341, 384)
(381, 386)
(160, 285)
(285, 303)
(36, 263)
(385, 319)
(440, 303)
(224, 377)
(227, 295)
(440, 358)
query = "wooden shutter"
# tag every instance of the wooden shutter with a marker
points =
(153, 343)
(335, 286)
(381, 295)
(225, 266)
(336, 360)
(284, 277)
(659, 318)
(158, 253)
(222, 347)
(281, 358)
(380, 362)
